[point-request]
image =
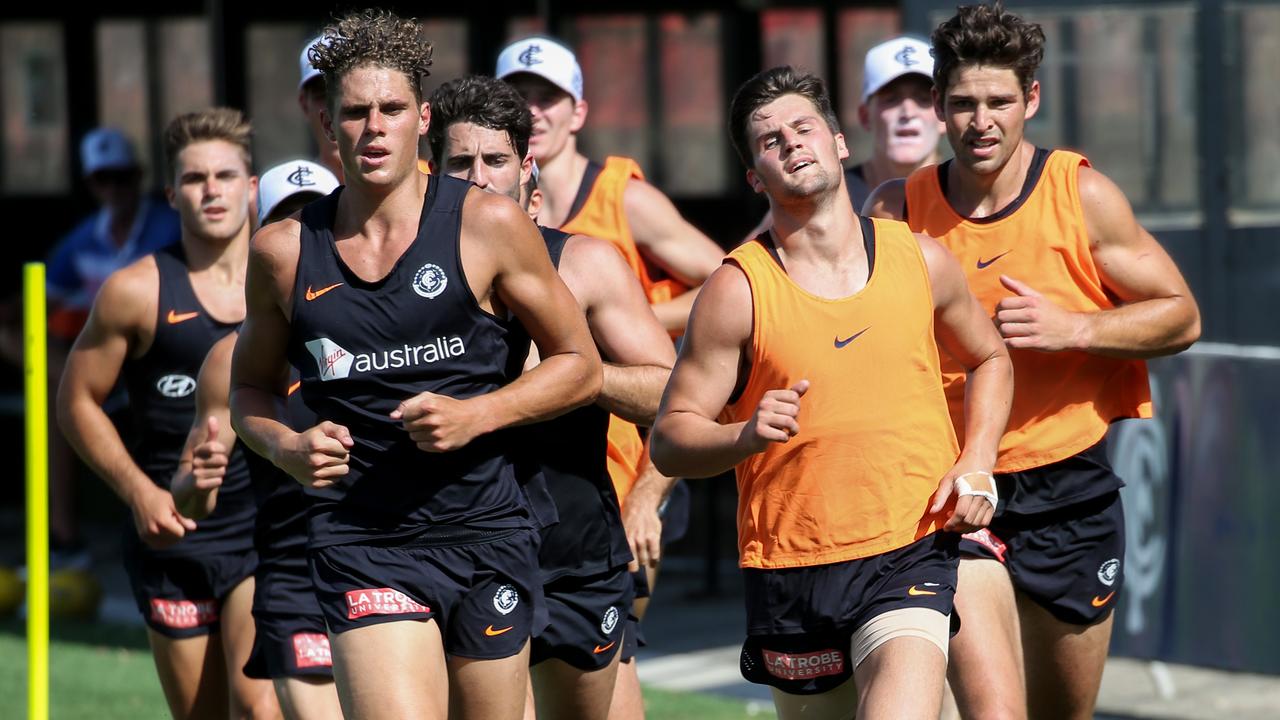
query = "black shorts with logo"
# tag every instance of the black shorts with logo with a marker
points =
(800, 621)
(289, 646)
(484, 593)
(181, 597)
(588, 619)
(1070, 561)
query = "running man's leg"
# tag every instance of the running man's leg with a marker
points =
(986, 655)
(838, 704)
(902, 680)
(249, 698)
(192, 675)
(391, 670)
(564, 691)
(308, 698)
(489, 689)
(1064, 663)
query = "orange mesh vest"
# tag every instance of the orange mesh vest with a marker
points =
(875, 437)
(1063, 401)
(604, 216)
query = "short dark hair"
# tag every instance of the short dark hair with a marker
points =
(372, 38)
(218, 123)
(764, 88)
(987, 35)
(480, 100)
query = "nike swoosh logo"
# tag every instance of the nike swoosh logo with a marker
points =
(313, 295)
(914, 592)
(494, 633)
(176, 317)
(294, 388)
(984, 263)
(1099, 602)
(599, 649)
(841, 343)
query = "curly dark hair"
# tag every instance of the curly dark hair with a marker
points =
(484, 101)
(372, 37)
(218, 123)
(764, 88)
(987, 35)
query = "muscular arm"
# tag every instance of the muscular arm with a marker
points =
(497, 235)
(964, 332)
(687, 439)
(211, 439)
(637, 350)
(1157, 315)
(259, 368)
(122, 316)
(667, 239)
(318, 456)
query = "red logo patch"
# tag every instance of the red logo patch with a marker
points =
(803, 666)
(985, 538)
(184, 613)
(311, 650)
(381, 601)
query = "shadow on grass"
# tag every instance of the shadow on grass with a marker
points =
(83, 632)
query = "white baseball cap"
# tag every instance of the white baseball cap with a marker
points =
(545, 58)
(290, 178)
(892, 59)
(304, 63)
(106, 149)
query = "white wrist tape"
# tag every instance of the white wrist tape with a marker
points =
(964, 488)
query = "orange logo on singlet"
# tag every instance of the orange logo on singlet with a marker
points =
(313, 295)
(176, 317)
(1099, 602)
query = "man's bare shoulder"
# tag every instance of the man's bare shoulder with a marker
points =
(888, 200)
(726, 298)
(587, 253)
(129, 293)
(277, 245)
(492, 214)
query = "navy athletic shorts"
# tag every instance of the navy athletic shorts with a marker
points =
(800, 621)
(1070, 561)
(287, 646)
(633, 637)
(181, 597)
(588, 619)
(484, 594)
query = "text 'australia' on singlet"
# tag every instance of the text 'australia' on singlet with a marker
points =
(364, 347)
(875, 437)
(162, 407)
(280, 529)
(571, 450)
(1062, 401)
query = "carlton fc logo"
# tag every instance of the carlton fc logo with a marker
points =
(429, 281)
(176, 386)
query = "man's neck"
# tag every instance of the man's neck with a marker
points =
(223, 260)
(878, 169)
(983, 195)
(560, 178)
(817, 230)
(377, 212)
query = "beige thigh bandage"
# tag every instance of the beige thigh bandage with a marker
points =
(916, 622)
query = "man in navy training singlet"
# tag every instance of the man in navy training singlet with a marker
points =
(396, 298)
(480, 132)
(291, 644)
(152, 325)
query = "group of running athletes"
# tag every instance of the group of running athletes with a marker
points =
(386, 454)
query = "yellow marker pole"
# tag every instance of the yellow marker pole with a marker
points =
(37, 461)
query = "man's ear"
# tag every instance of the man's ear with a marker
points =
(754, 181)
(326, 124)
(424, 118)
(842, 150)
(579, 116)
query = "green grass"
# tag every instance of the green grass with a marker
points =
(105, 672)
(95, 671)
